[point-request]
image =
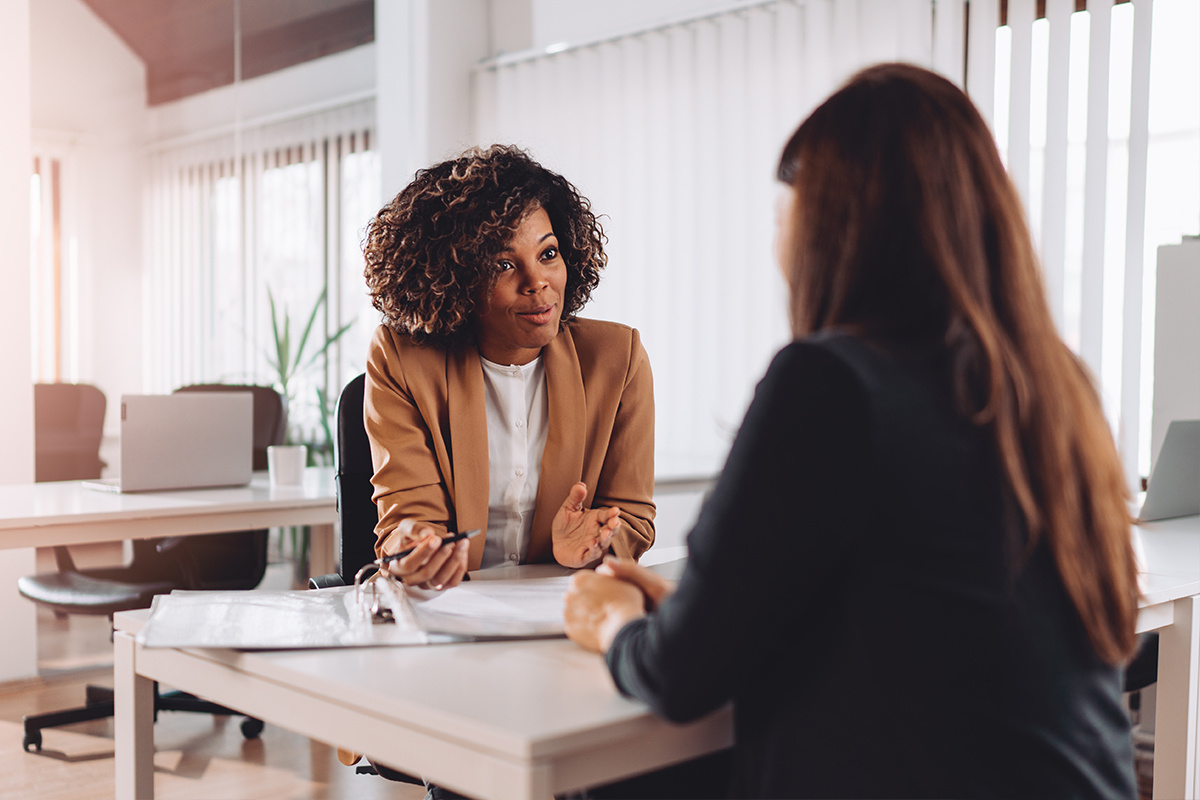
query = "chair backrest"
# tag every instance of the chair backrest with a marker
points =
(68, 425)
(357, 513)
(270, 414)
(236, 560)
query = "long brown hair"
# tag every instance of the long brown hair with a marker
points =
(906, 225)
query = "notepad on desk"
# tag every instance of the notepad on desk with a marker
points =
(322, 618)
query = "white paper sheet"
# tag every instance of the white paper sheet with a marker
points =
(271, 620)
(318, 618)
(492, 608)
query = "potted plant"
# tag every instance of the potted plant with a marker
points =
(290, 358)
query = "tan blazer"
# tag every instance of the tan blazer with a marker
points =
(425, 416)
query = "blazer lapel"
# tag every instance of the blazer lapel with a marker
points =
(562, 460)
(468, 444)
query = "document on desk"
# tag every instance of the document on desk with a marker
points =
(477, 610)
(492, 608)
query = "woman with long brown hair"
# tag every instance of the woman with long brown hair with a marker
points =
(914, 577)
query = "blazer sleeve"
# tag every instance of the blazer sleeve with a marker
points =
(780, 528)
(408, 481)
(627, 474)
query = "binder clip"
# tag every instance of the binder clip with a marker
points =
(377, 595)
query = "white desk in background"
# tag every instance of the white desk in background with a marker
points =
(65, 513)
(1170, 584)
(529, 719)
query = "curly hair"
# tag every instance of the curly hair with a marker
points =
(431, 253)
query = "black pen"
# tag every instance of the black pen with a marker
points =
(454, 537)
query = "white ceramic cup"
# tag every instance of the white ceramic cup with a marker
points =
(285, 462)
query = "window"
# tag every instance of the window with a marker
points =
(271, 214)
(54, 283)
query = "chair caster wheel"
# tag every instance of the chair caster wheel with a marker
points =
(33, 741)
(251, 727)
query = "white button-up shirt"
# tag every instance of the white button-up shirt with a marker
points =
(518, 418)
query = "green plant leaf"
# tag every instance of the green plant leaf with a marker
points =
(312, 318)
(333, 337)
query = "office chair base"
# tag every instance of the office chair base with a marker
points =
(389, 773)
(99, 705)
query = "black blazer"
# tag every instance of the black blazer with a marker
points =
(850, 587)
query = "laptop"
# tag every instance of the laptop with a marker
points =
(187, 440)
(1174, 486)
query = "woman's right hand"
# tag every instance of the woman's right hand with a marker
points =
(654, 586)
(430, 565)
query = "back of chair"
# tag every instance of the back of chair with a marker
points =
(238, 560)
(68, 424)
(357, 513)
(270, 414)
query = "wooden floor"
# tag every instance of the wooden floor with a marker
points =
(197, 755)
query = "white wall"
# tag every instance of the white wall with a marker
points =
(16, 393)
(425, 50)
(88, 108)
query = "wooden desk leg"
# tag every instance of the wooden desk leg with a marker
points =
(322, 551)
(1177, 712)
(134, 723)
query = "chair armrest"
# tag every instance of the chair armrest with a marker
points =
(325, 581)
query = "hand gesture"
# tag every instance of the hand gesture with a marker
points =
(597, 607)
(581, 534)
(430, 565)
(655, 587)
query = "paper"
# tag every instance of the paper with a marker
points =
(270, 620)
(492, 608)
(319, 618)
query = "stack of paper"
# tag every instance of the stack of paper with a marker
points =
(283, 620)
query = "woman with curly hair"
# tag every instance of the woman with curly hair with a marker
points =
(489, 404)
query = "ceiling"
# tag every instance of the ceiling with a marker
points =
(188, 45)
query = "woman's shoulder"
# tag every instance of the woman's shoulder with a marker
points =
(589, 331)
(604, 349)
(603, 340)
(400, 351)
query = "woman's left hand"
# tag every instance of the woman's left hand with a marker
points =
(581, 535)
(597, 607)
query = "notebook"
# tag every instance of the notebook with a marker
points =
(1174, 486)
(187, 440)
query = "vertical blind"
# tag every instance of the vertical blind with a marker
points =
(265, 212)
(1072, 111)
(673, 133)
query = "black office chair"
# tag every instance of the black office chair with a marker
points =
(357, 514)
(218, 561)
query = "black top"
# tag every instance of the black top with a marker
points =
(854, 588)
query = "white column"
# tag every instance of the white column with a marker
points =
(16, 373)
(425, 50)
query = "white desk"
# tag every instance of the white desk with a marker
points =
(1171, 588)
(558, 724)
(49, 514)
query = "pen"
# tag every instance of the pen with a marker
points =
(454, 537)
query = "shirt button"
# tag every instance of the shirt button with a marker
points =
(516, 371)
(520, 423)
(519, 471)
(512, 557)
